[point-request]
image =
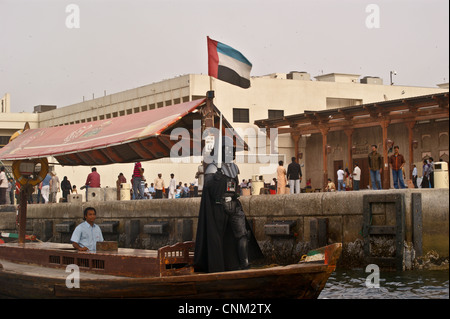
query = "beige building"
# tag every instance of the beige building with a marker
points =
(269, 96)
(5, 104)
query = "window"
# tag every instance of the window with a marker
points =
(197, 97)
(4, 140)
(335, 103)
(241, 115)
(276, 114)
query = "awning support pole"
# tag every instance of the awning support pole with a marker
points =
(25, 192)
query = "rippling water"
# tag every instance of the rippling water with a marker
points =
(351, 284)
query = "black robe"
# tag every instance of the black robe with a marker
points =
(215, 245)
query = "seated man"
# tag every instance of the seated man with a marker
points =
(87, 234)
(330, 186)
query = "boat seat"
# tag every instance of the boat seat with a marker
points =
(176, 259)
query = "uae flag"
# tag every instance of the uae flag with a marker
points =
(228, 64)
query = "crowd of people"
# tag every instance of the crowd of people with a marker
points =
(158, 189)
(45, 192)
(48, 190)
(351, 181)
(287, 181)
(291, 177)
(141, 189)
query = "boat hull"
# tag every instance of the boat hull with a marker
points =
(294, 281)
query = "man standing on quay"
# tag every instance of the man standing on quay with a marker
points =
(159, 186)
(172, 187)
(281, 178)
(396, 162)
(138, 189)
(294, 175)
(375, 166)
(356, 177)
(54, 187)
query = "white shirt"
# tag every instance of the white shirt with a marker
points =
(172, 184)
(87, 236)
(3, 180)
(357, 174)
(340, 175)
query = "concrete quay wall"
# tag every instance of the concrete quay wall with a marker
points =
(284, 225)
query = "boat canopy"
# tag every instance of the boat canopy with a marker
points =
(136, 137)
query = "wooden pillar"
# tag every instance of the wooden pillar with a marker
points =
(272, 148)
(349, 133)
(295, 137)
(324, 131)
(385, 179)
(410, 126)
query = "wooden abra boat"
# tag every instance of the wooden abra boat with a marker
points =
(40, 270)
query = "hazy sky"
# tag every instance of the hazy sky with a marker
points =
(121, 45)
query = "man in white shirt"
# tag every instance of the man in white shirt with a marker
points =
(340, 177)
(147, 191)
(414, 176)
(172, 186)
(3, 186)
(54, 187)
(356, 177)
(152, 190)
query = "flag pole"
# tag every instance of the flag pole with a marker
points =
(219, 159)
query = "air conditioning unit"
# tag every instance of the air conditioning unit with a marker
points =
(371, 80)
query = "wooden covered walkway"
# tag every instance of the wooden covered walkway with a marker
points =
(407, 111)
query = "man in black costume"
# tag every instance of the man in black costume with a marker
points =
(224, 239)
